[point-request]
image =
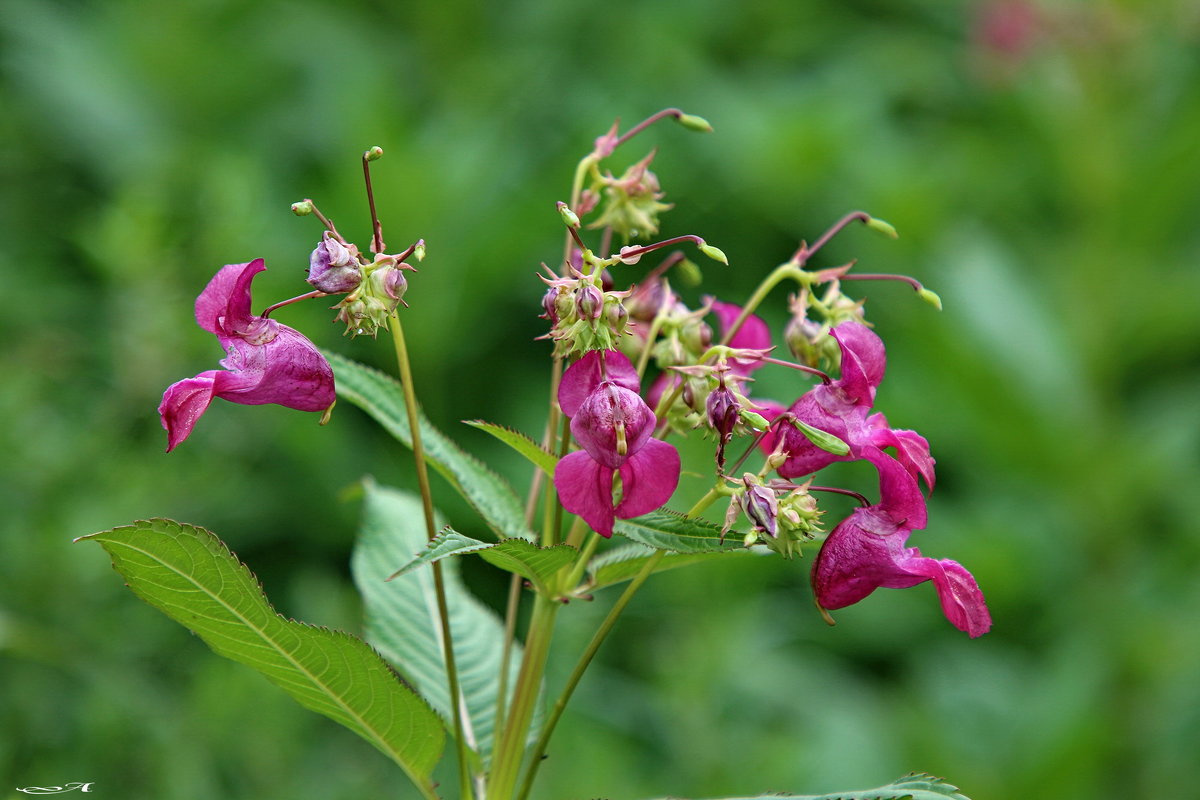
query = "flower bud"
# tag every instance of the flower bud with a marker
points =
(332, 267)
(568, 216)
(374, 154)
(714, 253)
(550, 305)
(723, 408)
(883, 227)
(930, 297)
(589, 301)
(760, 506)
(302, 208)
(694, 123)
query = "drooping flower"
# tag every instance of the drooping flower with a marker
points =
(615, 428)
(266, 362)
(842, 407)
(868, 550)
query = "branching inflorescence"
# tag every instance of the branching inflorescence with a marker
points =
(615, 323)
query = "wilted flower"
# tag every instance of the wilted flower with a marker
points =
(333, 266)
(615, 428)
(266, 362)
(868, 551)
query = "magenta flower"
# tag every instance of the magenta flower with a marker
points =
(266, 362)
(842, 407)
(868, 551)
(615, 427)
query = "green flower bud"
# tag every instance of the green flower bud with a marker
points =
(302, 209)
(714, 253)
(883, 227)
(694, 123)
(930, 297)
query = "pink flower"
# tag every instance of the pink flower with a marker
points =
(266, 362)
(615, 427)
(868, 551)
(842, 408)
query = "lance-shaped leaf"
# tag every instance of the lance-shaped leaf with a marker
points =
(527, 447)
(189, 575)
(623, 563)
(666, 530)
(539, 565)
(917, 786)
(402, 615)
(383, 399)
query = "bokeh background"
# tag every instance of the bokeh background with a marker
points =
(1041, 160)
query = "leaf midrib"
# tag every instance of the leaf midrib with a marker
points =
(375, 735)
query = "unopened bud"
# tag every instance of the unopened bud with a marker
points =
(930, 297)
(689, 272)
(419, 250)
(760, 506)
(568, 216)
(723, 407)
(822, 439)
(589, 301)
(332, 267)
(694, 123)
(714, 253)
(374, 153)
(883, 227)
(756, 421)
(302, 209)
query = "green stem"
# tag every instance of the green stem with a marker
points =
(788, 269)
(410, 402)
(507, 762)
(598, 638)
(585, 660)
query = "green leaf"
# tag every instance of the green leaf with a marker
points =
(536, 564)
(822, 439)
(519, 442)
(917, 786)
(402, 616)
(623, 563)
(666, 530)
(383, 399)
(188, 574)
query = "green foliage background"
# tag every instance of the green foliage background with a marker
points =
(1050, 195)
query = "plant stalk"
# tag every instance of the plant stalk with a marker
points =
(410, 403)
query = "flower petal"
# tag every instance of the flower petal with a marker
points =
(899, 494)
(224, 305)
(912, 449)
(648, 479)
(585, 488)
(288, 370)
(962, 600)
(863, 361)
(594, 425)
(182, 405)
(860, 556)
(584, 376)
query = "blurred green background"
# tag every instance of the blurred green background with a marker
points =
(1040, 159)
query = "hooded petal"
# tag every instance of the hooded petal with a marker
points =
(861, 554)
(287, 370)
(585, 376)
(899, 494)
(585, 488)
(648, 479)
(224, 305)
(863, 361)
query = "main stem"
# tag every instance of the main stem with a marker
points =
(410, 403)
(506, 764)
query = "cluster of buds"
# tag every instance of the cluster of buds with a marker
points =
(632, 202)
(583, 316)
(373, 288)
(808, 340)
(783, 515)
